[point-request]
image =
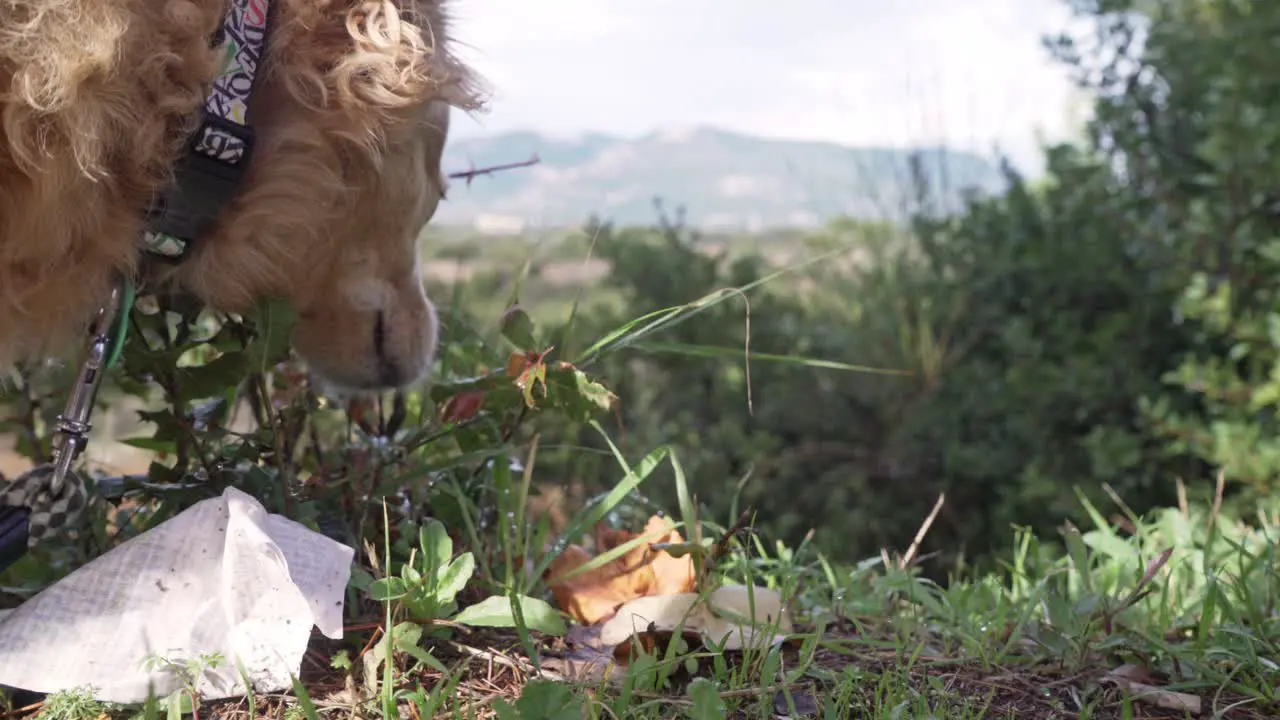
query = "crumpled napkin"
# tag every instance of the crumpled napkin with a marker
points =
(224, 576)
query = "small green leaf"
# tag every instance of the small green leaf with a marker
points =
(412, 577)
(273, 320)
(495, 611)
(517, 326)
(543, 700)
(453, 577)
(591, 391)
(152, 444)
(212, 378)
(437, 546)
(406, 634)
(705, 695)
(423, 607)
(384, 589)
(1079, 555)
(341, 660)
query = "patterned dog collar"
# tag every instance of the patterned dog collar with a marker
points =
(209, 174)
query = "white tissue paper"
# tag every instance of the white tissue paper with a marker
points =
(224, 576)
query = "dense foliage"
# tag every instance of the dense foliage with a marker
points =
(1109, 327)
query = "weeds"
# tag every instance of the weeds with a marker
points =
(448, 611)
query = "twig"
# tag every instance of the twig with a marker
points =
(24, 709)
(492, 656)
(1217, 498)
(724, 694)
(924, 529)
(475, 172)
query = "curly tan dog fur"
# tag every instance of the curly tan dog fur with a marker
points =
(96, 100)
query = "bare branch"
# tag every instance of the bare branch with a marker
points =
(474, 172)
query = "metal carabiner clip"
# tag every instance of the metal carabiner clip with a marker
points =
(72, 431)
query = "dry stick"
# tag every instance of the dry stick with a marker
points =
(1217, 499)
(492, 656)
(24, 709)
(475, 172)
(924, 529)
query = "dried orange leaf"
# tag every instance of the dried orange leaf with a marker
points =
(596, 594)
(671, 574)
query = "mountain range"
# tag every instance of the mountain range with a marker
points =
(723, 180)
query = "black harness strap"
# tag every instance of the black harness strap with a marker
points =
(210, 172)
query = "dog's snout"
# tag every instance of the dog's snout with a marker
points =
(369, 346)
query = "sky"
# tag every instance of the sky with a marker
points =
(970, 74)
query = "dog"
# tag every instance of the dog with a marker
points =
(99, 101)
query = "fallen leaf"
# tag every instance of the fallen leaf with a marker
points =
(1149, 694)
(655, 642)
(726, 618)
(596, 594)
(655, 612)
(745, 616)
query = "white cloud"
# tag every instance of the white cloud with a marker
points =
(854, 71)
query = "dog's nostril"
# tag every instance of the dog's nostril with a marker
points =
(388, 372)
(380, 335)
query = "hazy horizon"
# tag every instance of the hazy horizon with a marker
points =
(851, 72)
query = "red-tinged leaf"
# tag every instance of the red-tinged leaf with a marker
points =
(529, 379)
(529, 369)
(463, 406)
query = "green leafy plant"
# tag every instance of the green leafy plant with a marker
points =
(430, 580)
(185, 699)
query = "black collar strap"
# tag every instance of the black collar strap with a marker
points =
(208, 175)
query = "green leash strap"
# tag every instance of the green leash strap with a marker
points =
(121, 329)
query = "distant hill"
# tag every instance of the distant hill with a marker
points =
(725, 180)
